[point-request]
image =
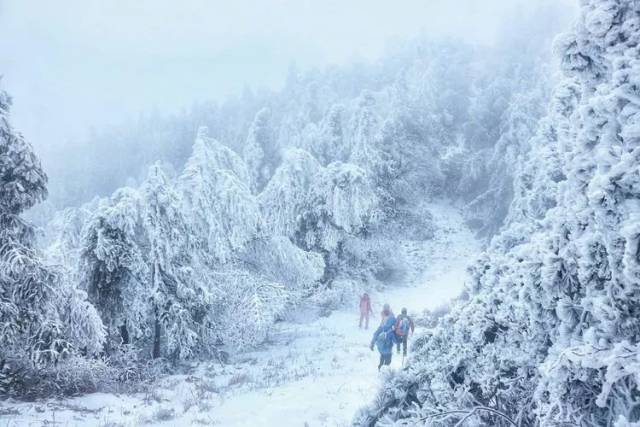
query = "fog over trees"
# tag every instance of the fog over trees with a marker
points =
(169, 248)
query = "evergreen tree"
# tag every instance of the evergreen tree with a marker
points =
(327, 142)
(364, 126)
(286, 197)
(222, 212)
(175, 333)
(41, 320)
(113, 270)
(317, 207)
(261, 151)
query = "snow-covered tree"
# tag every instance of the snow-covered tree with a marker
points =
(260, 151)
(517, 124)
(138, 267)
(287, 196)
(314, 205)
(278, 260)
(318, 207)
(62, 238)
(113, 270)
(328, 142)
(344, 202)
(363, 129)
(342, 205)
(407, 168)
(224, 214)
(41, 320)
(168, 265)
(249, 306)
(175, 333)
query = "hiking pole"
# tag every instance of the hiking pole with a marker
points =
(402, 360)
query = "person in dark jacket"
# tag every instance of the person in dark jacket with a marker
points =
(404, 325)
(384, 336)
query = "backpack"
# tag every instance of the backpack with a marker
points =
(382, 337)
(403, 326)
(384, 340)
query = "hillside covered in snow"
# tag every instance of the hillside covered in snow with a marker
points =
(550, 333)
(310, 370)
(206, 267)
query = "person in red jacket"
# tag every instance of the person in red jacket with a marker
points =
(365, 310)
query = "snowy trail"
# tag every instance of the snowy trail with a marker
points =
(318, 373)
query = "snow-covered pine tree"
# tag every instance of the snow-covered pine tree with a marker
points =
(363, 129)
(165, 265)
(175, 332)
(62, 238)
(41, 320)
(287, 196)
(344, 202)
(30, 322)
(283, 203)
(327, 142)
(343, 205)
(113, 270)
(527, 93)
(318, 207)
(260, 151)
(232, 250)
(592, 267)
(214, 187)
(407, 167)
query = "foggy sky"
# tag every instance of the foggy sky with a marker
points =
(75, 64)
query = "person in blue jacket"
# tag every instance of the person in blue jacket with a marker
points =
(384, 336)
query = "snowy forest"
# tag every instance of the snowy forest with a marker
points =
(204, 267)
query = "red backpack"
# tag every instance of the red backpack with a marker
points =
(403, 324)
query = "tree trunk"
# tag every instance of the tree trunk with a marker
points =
(156, 338)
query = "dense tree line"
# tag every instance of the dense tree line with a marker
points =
(283, 198)
(444, 118)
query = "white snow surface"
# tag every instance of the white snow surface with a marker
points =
(314, 373)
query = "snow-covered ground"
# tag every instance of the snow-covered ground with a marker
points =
(316, 373)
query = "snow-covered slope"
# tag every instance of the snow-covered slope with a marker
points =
(319, 372)
(550, 333)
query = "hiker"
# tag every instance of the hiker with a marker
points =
(365, 310)
(404, 325)
(384, 336)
